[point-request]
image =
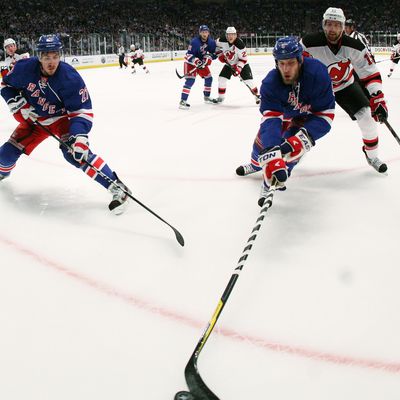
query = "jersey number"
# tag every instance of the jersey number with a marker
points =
(84, 94)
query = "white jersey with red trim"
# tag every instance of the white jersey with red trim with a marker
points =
(136, 54)
(235, 53)
(11, 60)
(343, 59)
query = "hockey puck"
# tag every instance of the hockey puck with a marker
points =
(184, 395)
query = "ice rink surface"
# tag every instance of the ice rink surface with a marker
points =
(94, 306)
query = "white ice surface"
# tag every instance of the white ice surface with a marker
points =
(94, 306)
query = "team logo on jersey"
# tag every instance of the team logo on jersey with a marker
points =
(340, 72)
(293, 100)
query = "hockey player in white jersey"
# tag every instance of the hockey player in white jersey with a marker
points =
(233, 53)
(137, 57)
(395, 57)
(343, 55)
(12, 53)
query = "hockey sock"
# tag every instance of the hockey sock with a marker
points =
(370, 146)
(101, 165)
(207, 86)
(186, 88)
(369, 131)
(9, 155)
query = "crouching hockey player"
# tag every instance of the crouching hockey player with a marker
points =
(297, 106)
(198, 58)
(52, 92)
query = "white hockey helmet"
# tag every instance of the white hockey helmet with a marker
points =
(9, 41)
(334, 14)
(133, 47)
(230, 29)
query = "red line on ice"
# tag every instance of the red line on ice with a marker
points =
(392, 367)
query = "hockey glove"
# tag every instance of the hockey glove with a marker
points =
(294, 147)
(80, 147)
(378, 106)
(21, 110)
(273, 166)
(222, 58)
(236, 70)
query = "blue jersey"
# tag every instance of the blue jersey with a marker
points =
(199, 49)
(62, 95)
(311, 100)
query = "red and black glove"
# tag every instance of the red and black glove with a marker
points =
(206, 62)
(222, 58)
(236, 70)
(378, 106)
(294, 147)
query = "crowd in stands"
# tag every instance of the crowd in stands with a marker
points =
(166, 19)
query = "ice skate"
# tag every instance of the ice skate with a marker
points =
(220, 99)
(2, 177)
(375, 163)
(246, 169)
(209, 100)
(183, 105)
(120, 198)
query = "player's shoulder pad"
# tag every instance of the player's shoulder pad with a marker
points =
(317, 39)
(239, 44)
(352, 43)
(67, 71)
(272, 78)
(25, 67)
(314, 67)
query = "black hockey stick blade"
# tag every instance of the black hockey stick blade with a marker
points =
(178, 235)
(386, 122)
(178, 75)
(195, 382)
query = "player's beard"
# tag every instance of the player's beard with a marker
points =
(333, 37)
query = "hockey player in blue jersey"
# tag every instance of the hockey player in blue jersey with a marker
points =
(297, 107)
(49, 91)
(198, 58)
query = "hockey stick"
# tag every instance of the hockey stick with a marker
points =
(178, 235)
(198, 390)
(392, 130)
(185, 75)
(241, 80)
(387, 59)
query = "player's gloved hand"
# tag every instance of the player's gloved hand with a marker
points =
(294, 147)
(79, 147)
(378, 106)
(21, 110)
(273, 166)
(236, 70)
(222, 58)
(207, 61)
(198, 63)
